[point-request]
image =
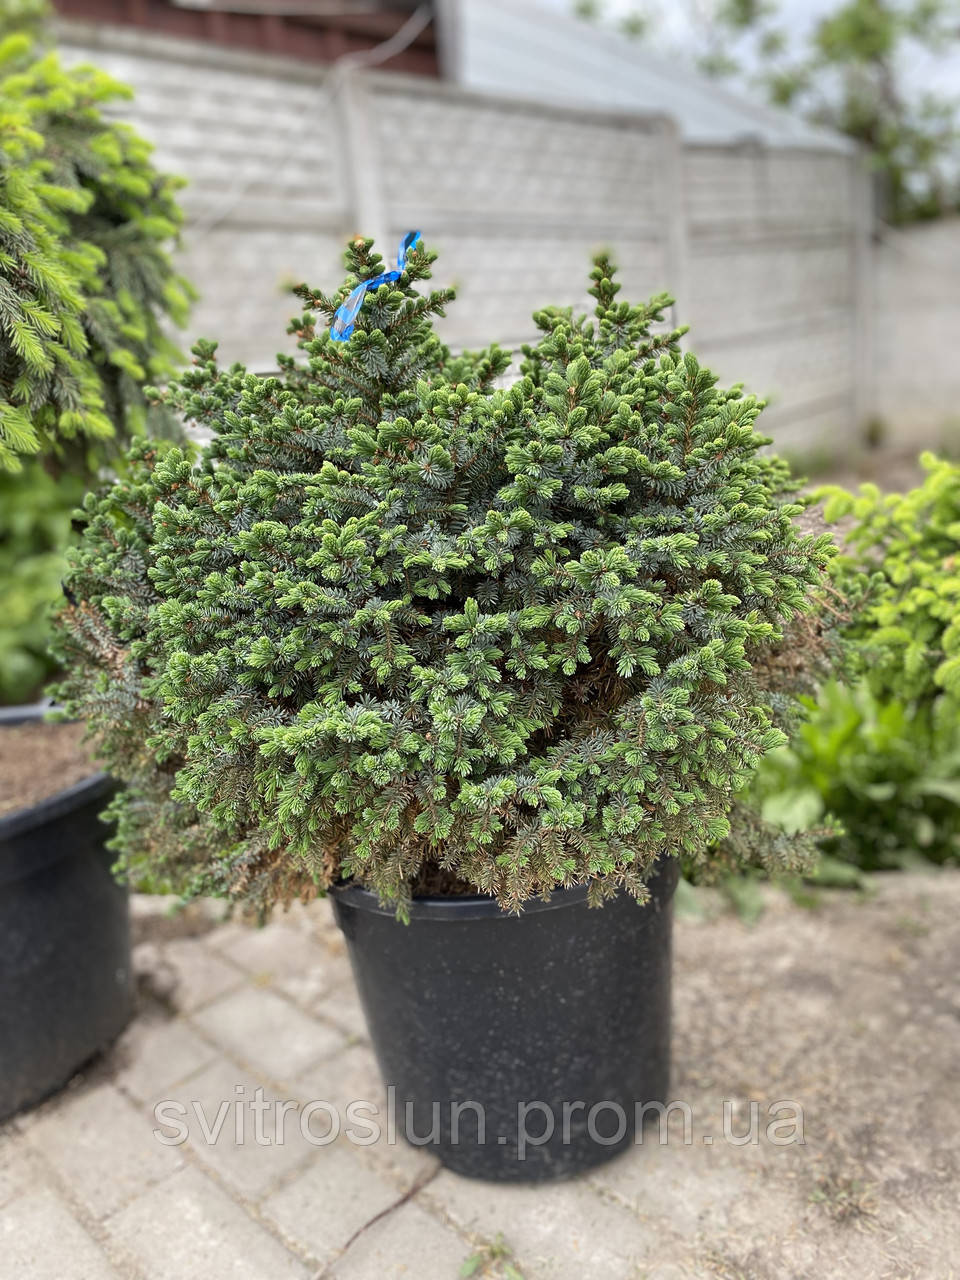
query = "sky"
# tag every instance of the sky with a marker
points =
(675, 31)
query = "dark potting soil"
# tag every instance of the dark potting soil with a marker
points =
(437, 882)
(38, 759)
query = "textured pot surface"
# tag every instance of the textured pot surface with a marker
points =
(554, 1024)
(65, 973)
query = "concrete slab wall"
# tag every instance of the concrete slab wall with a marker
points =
(762, 246)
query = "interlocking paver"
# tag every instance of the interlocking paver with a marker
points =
(156, 1054)
(219, 1108)
(401, 1247)
(260, 1027)
(350, 1192)
(188, 1228)
(41, 1240)
(102, 1146)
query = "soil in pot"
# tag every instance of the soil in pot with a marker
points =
(38, 759)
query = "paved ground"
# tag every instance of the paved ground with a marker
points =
(851, 1009)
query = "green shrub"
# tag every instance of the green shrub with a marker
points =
(86, 293)
(886, 770)
(883, 756)
(35, 512)
(85, 279)
(394, 620)
(912, 627)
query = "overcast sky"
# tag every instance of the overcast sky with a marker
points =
(674, 29)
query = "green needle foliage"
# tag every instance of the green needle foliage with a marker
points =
(86, 283)
(35, 511)
(395, 621)
(87, 295)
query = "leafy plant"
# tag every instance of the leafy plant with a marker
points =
(884, 755)
(493, 1259)
(394, 620)
(912, 627)
(887, 770)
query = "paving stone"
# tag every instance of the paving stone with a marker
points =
(696, 1188)
(349, 1076)
(323, 985)
(233, 1152)
(343, 1008)
(558, 1231)
(158, 1054)
(405, 1245)
(280, 950)
(41, 1240)
(268, 1032)
(201, 975)
(320, 917)
(18, 1171)
(353, 1076)
(161, 918)
(187, 1228)
(349, 1191)
(310, 987)
(146, 906)
(102, 1147)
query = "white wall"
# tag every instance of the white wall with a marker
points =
(917, 308)
(764, 247)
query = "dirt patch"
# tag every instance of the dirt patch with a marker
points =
(38, 759)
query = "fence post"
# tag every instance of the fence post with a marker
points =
(675, 216)
(864, 267)
(361, 157)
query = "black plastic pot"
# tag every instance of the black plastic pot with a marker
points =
(65, 973)
(554, 1024)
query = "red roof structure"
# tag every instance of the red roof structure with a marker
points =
(315, 30)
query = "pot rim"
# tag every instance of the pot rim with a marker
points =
(19, 821)
(27, 818)
(483, 907)
(466, 907)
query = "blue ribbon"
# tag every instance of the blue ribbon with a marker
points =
(346, 314)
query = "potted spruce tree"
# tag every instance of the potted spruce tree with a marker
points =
(86, 287)
(481, 661)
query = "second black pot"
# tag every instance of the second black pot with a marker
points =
(65, 972)
(518, 1047)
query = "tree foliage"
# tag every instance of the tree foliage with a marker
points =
(394, 616)
(86, 284)
(857, 69)
(883, 755)
(87, 297)
(855, 77)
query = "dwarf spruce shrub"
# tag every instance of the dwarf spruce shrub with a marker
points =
(396, 620)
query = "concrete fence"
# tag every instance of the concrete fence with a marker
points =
(916, 301)
(766, 250)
